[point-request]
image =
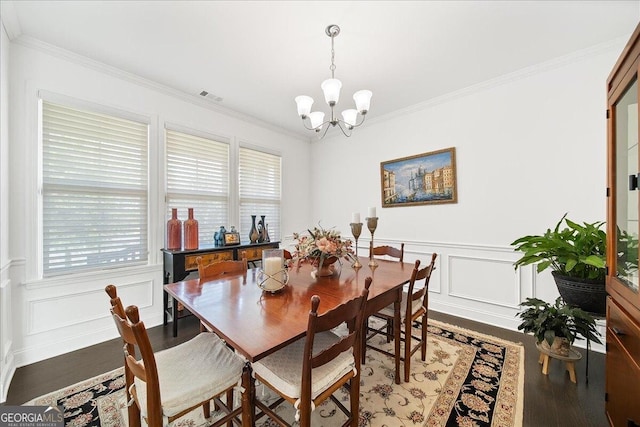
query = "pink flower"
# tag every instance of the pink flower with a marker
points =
(326, 245)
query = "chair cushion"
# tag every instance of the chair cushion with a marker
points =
(192, 372)
(415, 305)
(283, 369)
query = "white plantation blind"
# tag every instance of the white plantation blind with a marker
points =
(198, 178)
(94, 188)
(260, 183)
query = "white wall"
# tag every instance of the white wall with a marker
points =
(61, 314)
(7, 366)
(530, 146)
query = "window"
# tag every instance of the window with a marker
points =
(94, 190)
(198, 178)
(259, 185)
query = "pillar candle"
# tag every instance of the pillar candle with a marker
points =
(372, 212)
(271, 266)
(355, 217)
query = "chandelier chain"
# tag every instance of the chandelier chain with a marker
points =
(333, 55)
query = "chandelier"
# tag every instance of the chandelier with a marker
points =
(331, 89)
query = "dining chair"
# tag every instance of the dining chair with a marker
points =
(308, 371)
(414, 306)
(386, 252)
(218, 269)
(171, 383)
(389, 251)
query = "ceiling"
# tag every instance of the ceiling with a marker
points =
(259, 55)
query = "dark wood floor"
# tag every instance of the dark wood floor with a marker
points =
(551, 400)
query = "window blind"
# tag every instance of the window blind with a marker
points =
(198, 178)
(94, 190)
(259, 177)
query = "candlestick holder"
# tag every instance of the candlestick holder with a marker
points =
(356, 229)
(372, 224)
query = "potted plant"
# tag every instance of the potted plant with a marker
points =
(557, 326)
(576, 255)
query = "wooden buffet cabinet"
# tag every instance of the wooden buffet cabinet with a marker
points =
(623, 304)
(178, 264)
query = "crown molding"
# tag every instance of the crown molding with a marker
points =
(10, 20)
(36, 44)
(506, 78)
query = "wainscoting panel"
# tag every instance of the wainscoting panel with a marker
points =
(7, 365)
(45, 313)
(65, 315)
(484, 279)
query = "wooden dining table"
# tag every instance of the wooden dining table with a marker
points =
(257, 323)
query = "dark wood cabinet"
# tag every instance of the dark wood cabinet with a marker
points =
(623, 213)
(179, 263)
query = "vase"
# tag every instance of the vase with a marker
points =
(253, 234)
(190, 232)
(174, 231)
(560, 346)
(261, 230)
(266, 233)
(327, 269)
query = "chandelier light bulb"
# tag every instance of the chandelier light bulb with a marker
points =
(349, 117)
(331, 89)
(363, 100)
(304, 105)
(317, 117)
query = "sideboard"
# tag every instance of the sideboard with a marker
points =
(179, 263)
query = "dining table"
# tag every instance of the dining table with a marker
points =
(257, 323)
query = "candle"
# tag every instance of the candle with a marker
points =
(272, 265)
(355, 218)
(372, 212)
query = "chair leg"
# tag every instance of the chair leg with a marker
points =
(424, 338)
(354, 399)
(363, 346)
(133, 412)
(407, 349)
(389, 330)
(206, 409)
(229, 402)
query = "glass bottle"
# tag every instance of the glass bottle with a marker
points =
(190, 232)
(174, 231)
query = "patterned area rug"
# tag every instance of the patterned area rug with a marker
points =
(468, 379)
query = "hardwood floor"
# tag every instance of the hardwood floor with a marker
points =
(551, 400)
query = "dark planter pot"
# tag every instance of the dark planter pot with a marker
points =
(589, 295)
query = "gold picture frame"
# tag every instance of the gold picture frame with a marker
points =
(423, 179)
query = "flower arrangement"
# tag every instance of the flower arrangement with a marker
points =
(321, 247)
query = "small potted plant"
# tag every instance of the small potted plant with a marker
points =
(576, 255)
(557, 326)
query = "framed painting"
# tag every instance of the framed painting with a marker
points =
(423, 179)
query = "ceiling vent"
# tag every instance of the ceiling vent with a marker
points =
(211, 96)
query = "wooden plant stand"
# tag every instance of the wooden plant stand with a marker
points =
(570, 360)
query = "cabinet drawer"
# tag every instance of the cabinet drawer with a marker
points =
(623, 385)
(625, 330)
(190, 260)
(252, 254)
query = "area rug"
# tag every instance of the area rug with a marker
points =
(468, 379)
